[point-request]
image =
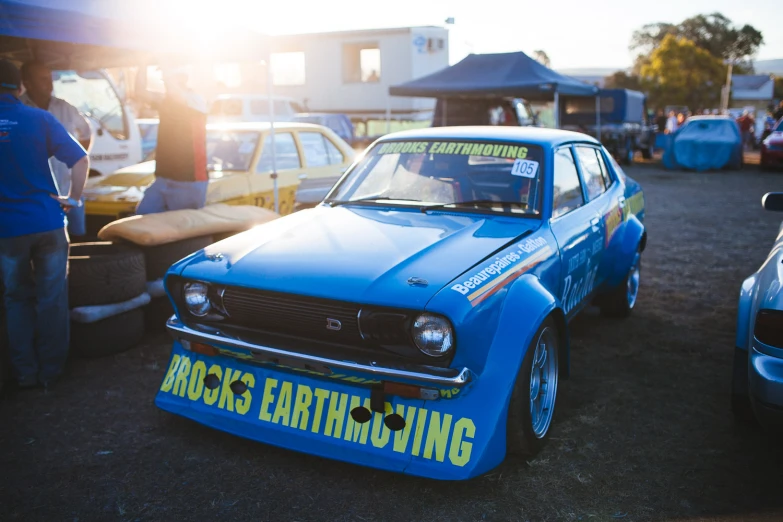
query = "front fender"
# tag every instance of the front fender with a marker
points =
(622, 250)
(527, 304)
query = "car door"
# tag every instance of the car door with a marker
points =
(576, 226)
(288, 165)
(606, 198)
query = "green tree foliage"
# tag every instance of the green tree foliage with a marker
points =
(714, 33)
(623, 80)
(678, 72)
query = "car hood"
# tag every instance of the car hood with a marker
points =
(367, 255)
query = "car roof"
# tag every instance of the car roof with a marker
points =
(529, 135)
(261, 126)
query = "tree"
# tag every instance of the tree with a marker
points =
(713, 32)
(542, 58)
(678, 72)
(623, 80)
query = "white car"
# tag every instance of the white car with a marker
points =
(232, 108)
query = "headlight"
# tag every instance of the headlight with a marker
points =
(433, 335)
(196, 299)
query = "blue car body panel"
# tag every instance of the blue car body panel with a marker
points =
(496, 277)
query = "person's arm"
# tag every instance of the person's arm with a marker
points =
(83, 130)
(65, 148)
(79, 173)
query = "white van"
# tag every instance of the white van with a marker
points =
(251, 107)
(116, 139)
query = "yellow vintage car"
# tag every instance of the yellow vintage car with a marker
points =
(239, 163)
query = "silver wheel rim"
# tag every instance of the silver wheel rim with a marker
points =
(543, 382)
(633, 285)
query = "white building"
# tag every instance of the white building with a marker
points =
(351, 71)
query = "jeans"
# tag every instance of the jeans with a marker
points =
(166, 194)
(34, 271)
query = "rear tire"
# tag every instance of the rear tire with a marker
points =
(649, 152)
(620, 301)
(528, 424)
(104, 273)
(628, 152)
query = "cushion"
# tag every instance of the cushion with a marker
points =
(175, 225)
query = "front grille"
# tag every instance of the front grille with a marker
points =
(303, 317)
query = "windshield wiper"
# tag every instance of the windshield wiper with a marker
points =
(479, 203)
(335, 202)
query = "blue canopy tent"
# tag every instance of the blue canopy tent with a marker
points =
(496, 75)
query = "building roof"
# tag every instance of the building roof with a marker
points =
(750, 81)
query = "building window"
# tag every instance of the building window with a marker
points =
(361, 63)
(288, 68)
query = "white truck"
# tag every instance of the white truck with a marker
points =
(116, 139)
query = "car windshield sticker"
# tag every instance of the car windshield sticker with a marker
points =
(311, 406)
(492, 150)
(524, 168)
(503, 269)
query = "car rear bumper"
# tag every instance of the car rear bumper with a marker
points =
(455, 435)
(772, 157)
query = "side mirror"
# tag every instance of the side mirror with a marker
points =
(773, 201)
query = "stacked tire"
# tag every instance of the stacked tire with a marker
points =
(158, 259)
(106, 294)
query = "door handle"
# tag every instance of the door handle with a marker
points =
(302, 176)
(594, 222)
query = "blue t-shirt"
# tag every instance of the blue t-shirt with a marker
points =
(28, 138)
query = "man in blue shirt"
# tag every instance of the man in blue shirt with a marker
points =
(33, 239)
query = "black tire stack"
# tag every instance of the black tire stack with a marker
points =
(158, 259)
(103, 274)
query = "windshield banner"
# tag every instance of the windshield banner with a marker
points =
(492, 150)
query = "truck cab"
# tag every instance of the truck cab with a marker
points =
(116, 139)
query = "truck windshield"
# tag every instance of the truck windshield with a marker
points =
(93, 95)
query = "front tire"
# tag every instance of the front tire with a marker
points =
(533, 399)
(620, 301)
(740, 398)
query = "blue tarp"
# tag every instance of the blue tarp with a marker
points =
(67, 34)
(704, 143)
(494, 75)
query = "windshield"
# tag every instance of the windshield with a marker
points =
(93, 95)
(230, 150)
(427, 173)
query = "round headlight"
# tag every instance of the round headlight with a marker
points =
(196, 299)
(433, 335)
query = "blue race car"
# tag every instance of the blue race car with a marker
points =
(757, 379)
(416, 320)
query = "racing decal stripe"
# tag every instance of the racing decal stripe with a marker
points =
(486, 291)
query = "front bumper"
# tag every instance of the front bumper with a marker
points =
(316, 407)
(766, 383)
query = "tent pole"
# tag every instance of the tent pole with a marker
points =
(557, 110)
(269, 83)
(598, 117)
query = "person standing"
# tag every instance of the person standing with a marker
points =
(671, 123)
(37, 81)
(746, 124)
(779, 111)
(660, 120)
(33, 237)
(181, 180)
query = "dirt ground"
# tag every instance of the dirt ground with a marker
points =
(644, 430)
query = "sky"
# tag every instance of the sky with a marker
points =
(573, 33)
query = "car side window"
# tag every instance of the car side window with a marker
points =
(568, 190)
(335, 156)
(286, 153)
(314, 147)
(591, 171)
(604, 170)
